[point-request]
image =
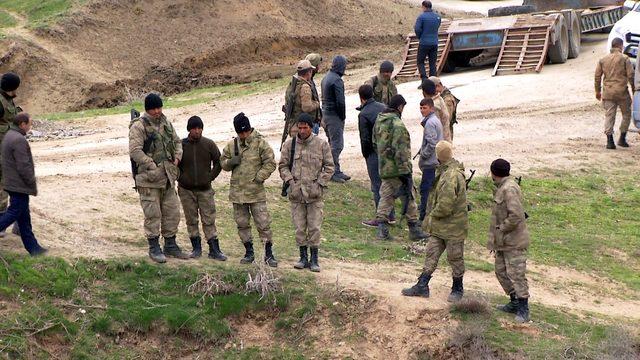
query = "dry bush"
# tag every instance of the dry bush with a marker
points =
(469, 339)
(472, 305)
(416, 248)
(619, 344)
(208, 286)
(263, 281)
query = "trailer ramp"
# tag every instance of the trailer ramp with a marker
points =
(523, 50)
(409, 66)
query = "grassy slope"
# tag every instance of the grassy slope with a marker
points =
(39, 12)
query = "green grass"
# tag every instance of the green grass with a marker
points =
(6, 20)
(193, 97)
(39, 12)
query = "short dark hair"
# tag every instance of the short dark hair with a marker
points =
(23, 117)
(304, 71)
(365, 91)
(428, 87)
(396, 101)
(427, 102)
(617, 42)
(427, 4)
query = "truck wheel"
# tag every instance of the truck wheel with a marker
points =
(559, 52)
(511, 10)
(575, 37)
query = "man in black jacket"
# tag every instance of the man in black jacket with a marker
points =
(369, 110)
(200, 165)
(19, 181)
(334, 112)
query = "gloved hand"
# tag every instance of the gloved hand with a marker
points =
(235, 160)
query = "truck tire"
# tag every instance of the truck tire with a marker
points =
(559, 52)
(511, 10)
(575, 37)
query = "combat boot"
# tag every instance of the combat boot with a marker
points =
(522, 315)
(248, 254)
(172, 249)
(196, 244)
(421, 288)
(610, 143)
(269, 259)
(383, 231)
(303, 263)
(415, 232)
(456, 290)
(622, 141)
(511, 307)
(155, 253)
(214, 250)
(314, 266)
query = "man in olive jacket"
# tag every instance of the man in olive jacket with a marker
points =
(9, 84)
(447, 223)
(250, 159)
(19, 181)
(200, 165)
(509, 239)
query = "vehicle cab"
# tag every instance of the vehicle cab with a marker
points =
(628, 29)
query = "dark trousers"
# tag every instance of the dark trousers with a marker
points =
(334, 128)
(428, 176)
(430, 51)
(376, 181)
(18, 211)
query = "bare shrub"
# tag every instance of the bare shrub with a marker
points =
(208, 286)
(417, 247)
(469, 339)
(472, 305)
(619, 344)
(263, 281)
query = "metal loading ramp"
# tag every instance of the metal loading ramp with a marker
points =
(409, 66)
(523, 50)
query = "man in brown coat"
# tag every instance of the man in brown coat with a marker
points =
(509, 239)
(429, 91)
(614, 73)
(19, 181)
(302, 97)
(449, 99)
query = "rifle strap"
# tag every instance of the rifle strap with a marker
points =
(293, 152)
(236, 146)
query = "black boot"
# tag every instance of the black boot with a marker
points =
(304, 259)
(415, 232)
(196, 244)
(155, 253)
(314, 266)
(383, 231)
(522, 315)
(248, 254)
(456, 290)
(269, 259)
(511, 307)
(622, 141)
(419, 289)
(173, 250)
(610, 143)
(214, 250)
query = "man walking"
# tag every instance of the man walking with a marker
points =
(383, 86)
(200, 166)
(447, 223)
(251, 161)
(450, 101)
(613, 73)
(300, 97)
(509, 239)
(156, 150)
(426, 28)
(19, 181)
(431, 136)
(306, 166)
(316, 61)
(429, 92)
(334, 113)
(393, 145)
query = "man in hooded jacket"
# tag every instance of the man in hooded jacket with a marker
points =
(334, 113)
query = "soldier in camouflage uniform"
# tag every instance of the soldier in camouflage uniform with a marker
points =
(156, 149)
(429, 91)
(450, 101)
(308, 174)
(316, 61)
(509, 239)
(251, 161)
(392, 143)
(383, 87)
(305, 98)
(447, 223)
(9, 83)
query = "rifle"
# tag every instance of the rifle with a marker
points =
(406, 191)
(285, 185)
(288, 108)
(519, 181)
(467, 182)
(134, 167)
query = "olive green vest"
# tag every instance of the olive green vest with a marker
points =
(10, 112)
(158, 145)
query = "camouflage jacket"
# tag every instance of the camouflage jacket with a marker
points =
(382, 90)
(614, 74)
(155, 166)
(311, 171)
(9, 113)
(508, 229)
(452, 105)
(256, 165)
(443, 114)
(392, 143)
(447, 204)
(305, 100)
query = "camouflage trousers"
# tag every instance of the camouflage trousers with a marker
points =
(199, 205)
(161, 210)
(455, 255)
(511, 268)
(307, 218)
(388, 194)
(610, 108)
(261, 218)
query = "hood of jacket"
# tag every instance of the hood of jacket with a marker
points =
(339, 65)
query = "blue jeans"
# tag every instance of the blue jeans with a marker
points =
(19, 212)
(424, 52)
(428, 176)
(316, 128)
(374, 177)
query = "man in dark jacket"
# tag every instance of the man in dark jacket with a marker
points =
(369, 110)
(426, 29)
(200, 165)
(334, 112)
(19, 181)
